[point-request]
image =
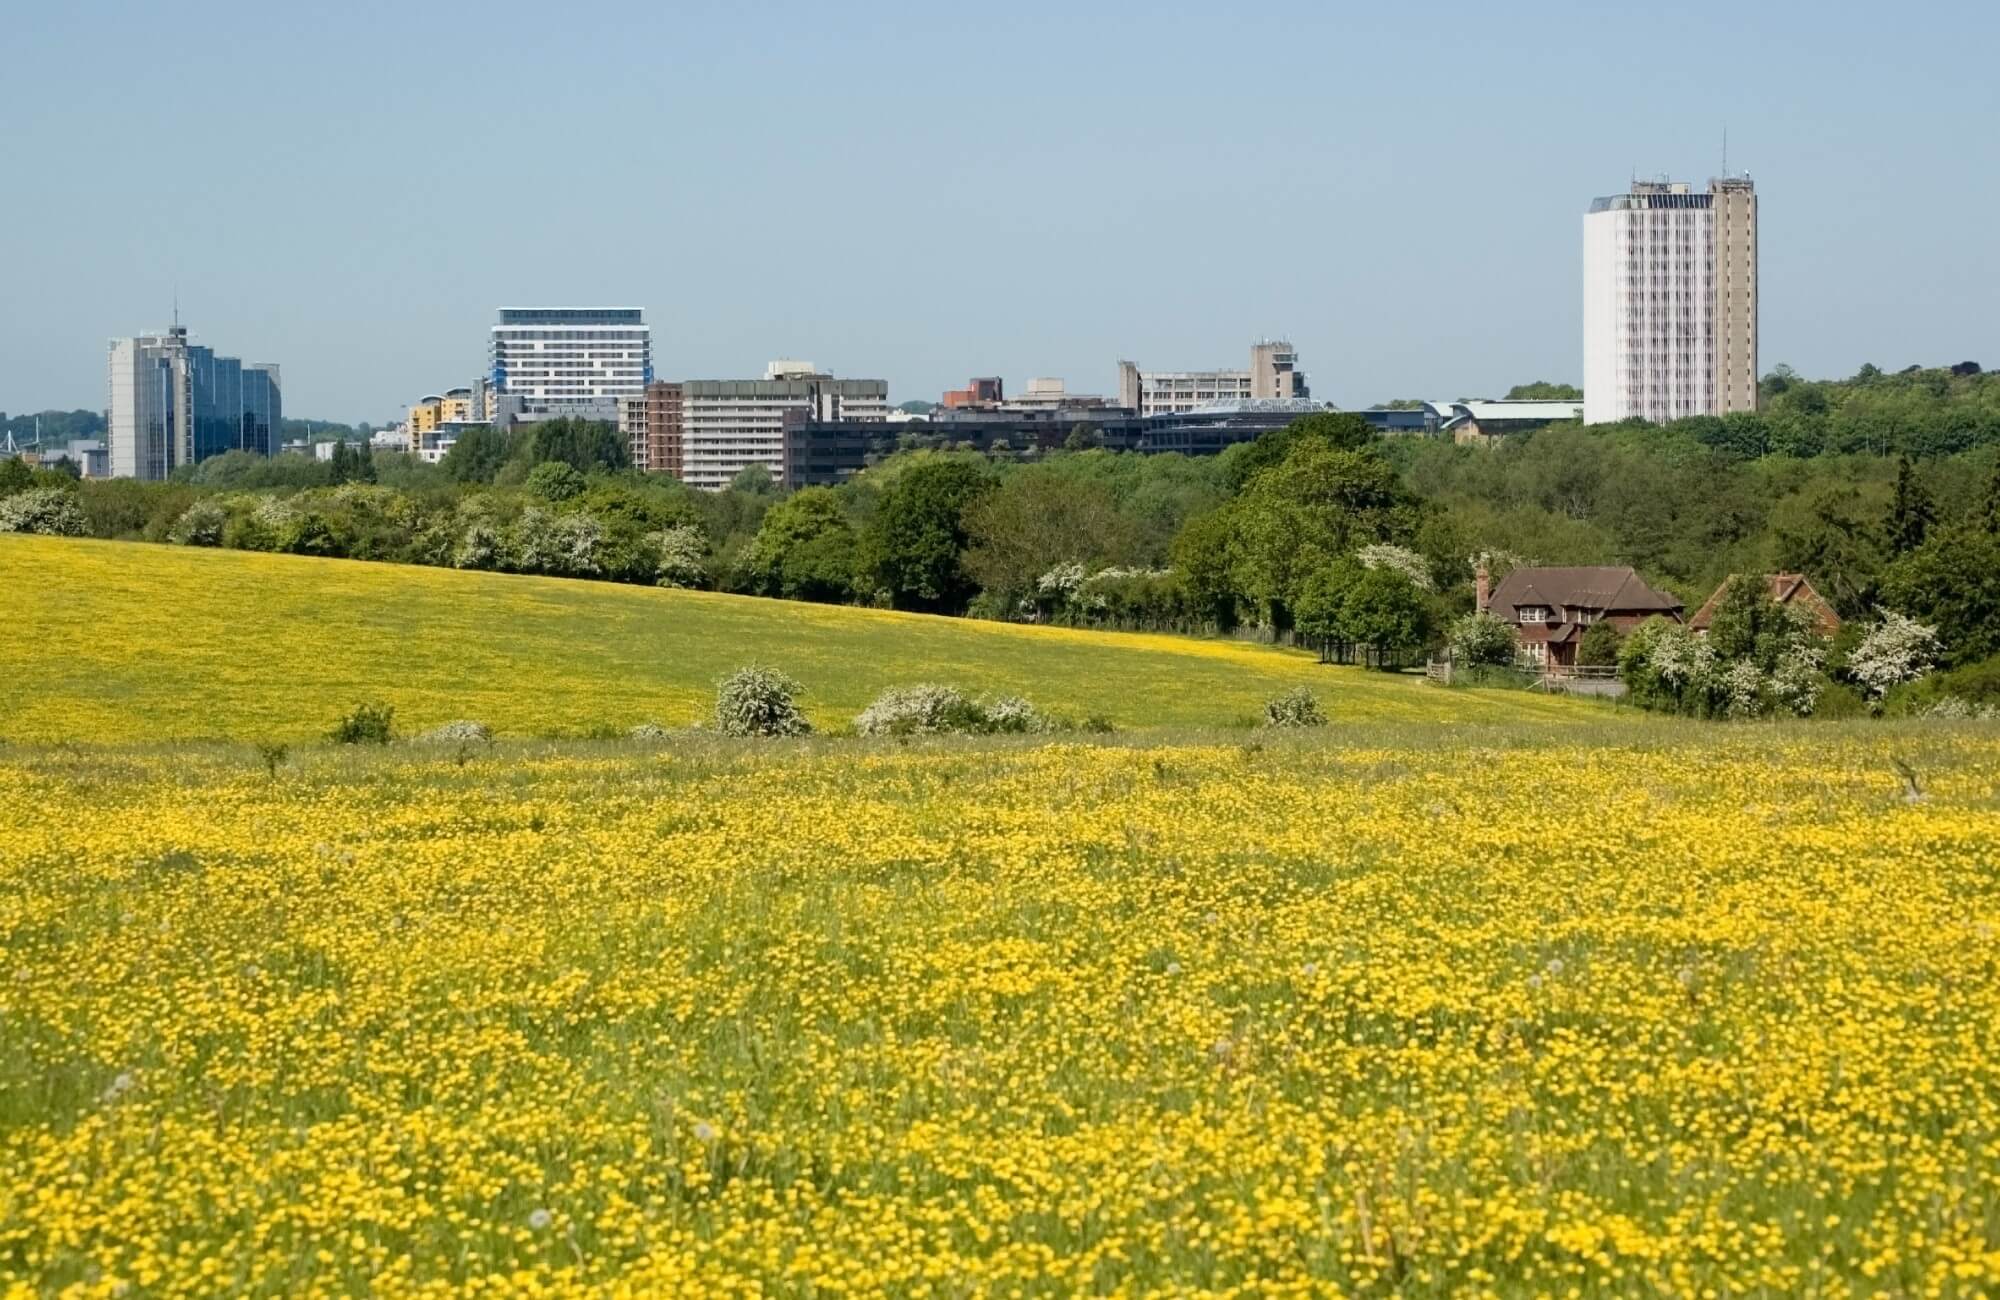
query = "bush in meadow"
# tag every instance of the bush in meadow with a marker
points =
(758, 701)
(1297, 707)
(49, 511)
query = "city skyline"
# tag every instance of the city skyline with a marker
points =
(1038, 198)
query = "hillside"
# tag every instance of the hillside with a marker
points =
(112, 641)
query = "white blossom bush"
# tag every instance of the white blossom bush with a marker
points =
(758, 701)
(478, 547)
(1796, 682)
(1683, 660)
(650, 731)
(1010, 715)
(1062, 582)
(462, 732)
(1954, 708)
(1297, 707)
(1897, 649)
(1740, 686)
(201, 524)
(1481, 638)
(49, 511)
(1399, 559)
(683, 556)
(922, 710)
(560, 545)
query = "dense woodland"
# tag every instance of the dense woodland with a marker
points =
(1883, 489)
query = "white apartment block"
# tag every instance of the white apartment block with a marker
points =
(1670, 302)
(1274, 373)
(732, 424)
(554, 361)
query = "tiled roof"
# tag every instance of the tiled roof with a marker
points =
(1601, 589)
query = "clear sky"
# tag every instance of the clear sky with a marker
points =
(927, 191)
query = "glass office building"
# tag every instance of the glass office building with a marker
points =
(175, 403)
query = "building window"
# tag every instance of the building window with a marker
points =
(1534, 614)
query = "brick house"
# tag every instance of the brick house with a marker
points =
(1785, 589)
(1551, 609)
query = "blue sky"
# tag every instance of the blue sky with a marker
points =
(924, 192)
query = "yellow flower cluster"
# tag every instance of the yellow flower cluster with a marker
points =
(1696, 1012)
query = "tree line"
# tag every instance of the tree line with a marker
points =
(1321, 530)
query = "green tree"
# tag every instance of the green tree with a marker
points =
(805, 548)
(477, 455)
(1202, 555)
(583, 445)
(1829, 536)
(1338, 430)
(15, 476)
(1952, 582)
(1543, 391)
(554, 481)
(1599, 646)
(753, 480)
(1038, 518)
(1911, 512)
(915, 543)
(1083, 437)
(1319, 503)
(1384, 609)
(1321, 605)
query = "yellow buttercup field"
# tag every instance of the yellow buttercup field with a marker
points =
(1690, 1011)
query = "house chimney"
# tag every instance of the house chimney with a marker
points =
(1482, 590)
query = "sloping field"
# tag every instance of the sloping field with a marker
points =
(108, 641)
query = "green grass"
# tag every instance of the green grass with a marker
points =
(120, 642)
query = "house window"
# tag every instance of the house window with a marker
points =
(1534, 614)
(1582, 616)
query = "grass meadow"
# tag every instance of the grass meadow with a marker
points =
(120, 641)
(1441, 1000)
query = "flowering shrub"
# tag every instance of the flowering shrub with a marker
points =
(758, 701)
(1897, 649)
(1480, 638)
(461, 732)
(932, 710)
(1399, 559)
(201, 524)
(1297, 707)
(559, 545)
(923, 710)
(683, 556)
(50, 511)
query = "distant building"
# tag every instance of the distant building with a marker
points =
(826, 452)
(548, 362)
(1273, 375)
(89, 455)
(454, 406)
(654, 427)
(1670, 302)
(977, 392)
(1792, 589)
(1551, 608)
(173, 403)
(732, 424)
(1482, 422)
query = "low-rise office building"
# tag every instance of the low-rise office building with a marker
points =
(1274, 374)
(732, 424)
(827, 452)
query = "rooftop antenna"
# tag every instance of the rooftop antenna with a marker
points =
(1725, 152)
